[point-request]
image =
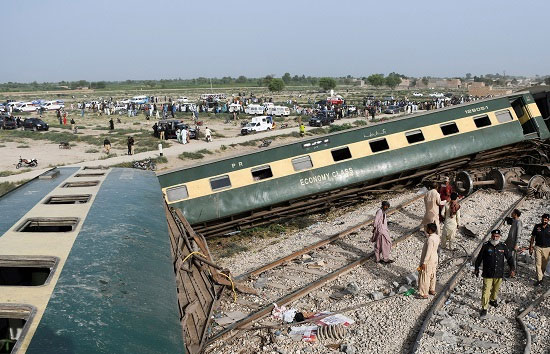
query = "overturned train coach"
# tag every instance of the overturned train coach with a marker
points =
(296, 178)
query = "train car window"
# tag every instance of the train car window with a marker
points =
(379, 145)
(48, 225)
(302, 163)
(449, 128)
(218, 183)
(176, 193)
(504, 116)
(517, 105)
(482, 121)
(341, 154)
(261, 172)
(414, 136)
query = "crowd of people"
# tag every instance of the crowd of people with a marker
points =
(441, 204)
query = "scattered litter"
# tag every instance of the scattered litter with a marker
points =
(532, 315)
(531, 327)
(334, 319)
(307, 333)
(352, 288)
(448, 302)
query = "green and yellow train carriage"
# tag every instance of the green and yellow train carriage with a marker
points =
(258, 181)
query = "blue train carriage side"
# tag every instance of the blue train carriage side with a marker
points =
(258, 180)
(86, 266)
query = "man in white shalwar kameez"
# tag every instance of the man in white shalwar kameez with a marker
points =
(432, 201)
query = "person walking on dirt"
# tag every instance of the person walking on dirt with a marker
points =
(107, 146)
(492, 256)
(428, 262)
(111, 124)
(381, 235)
(540, 237)
(208, 134)
(72, 124)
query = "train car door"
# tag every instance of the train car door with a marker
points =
(542, 99)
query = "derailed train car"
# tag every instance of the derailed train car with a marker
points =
(86, 266)
(237, 190)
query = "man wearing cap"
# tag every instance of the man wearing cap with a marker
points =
(492, 256)
(541, 238)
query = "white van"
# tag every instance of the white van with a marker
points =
(254, 109)
(280, 111)
(258, 124)
(25, 107)
(140, 99)
(53, 105)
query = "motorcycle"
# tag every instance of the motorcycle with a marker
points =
(146, 164)
(26, 163)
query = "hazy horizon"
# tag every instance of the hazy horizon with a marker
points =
(63, 40)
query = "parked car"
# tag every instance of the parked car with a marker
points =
(320, 119)
(8, 122)
(418, 94)
(35, 124)
(258, 124)
(393, 109)
(25, 107)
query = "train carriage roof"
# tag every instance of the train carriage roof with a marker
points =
(116, 291)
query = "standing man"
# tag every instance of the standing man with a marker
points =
(72, 124)
(541, 238)
(445, 190)
(428, 262)
(208, 134)
(492, 256)
(111, 124)
(432, 201)
(302, 129)
(130, 145)
(514, 233)
(381, 235)
(451, 222)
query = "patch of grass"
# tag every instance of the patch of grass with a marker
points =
(223, 148)
(16, 172)
(317, 131)
(190, 155)
(2, 146)
(232, 145)
(136, 123)
(23, 146)
(232, 249)
(91, 151)
(105, 157)
(269, 231)
(205, 152)
(82, 127)
(337, 128)
(249, 143)
(360, 122)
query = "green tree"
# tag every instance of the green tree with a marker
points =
(241, 79)
(286, 78)
(376, 80)
(265, 81)
(546, 81)
(327, 83)
(276, 85)
(392, 80)
(425, 80)
(468, 76)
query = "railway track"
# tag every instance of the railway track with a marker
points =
(324, 249)
(444, 296)
(317, 286)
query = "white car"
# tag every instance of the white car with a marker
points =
(254, 109)
(124, 101)
(53, 105)
(437, 95)
(25, 107)
(418, 94)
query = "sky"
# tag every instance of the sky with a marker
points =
(68, 40)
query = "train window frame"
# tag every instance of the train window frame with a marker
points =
(297, 163)
(341, 154)
(482, 121)
(379, 145)
(25, 313)
(46, 262)
(68, 199)
(415, 136)
(499, 115)
(220, 178)
(82, 184)
(46, 225)
(261, 172)
(178, 188)
(447, 128)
